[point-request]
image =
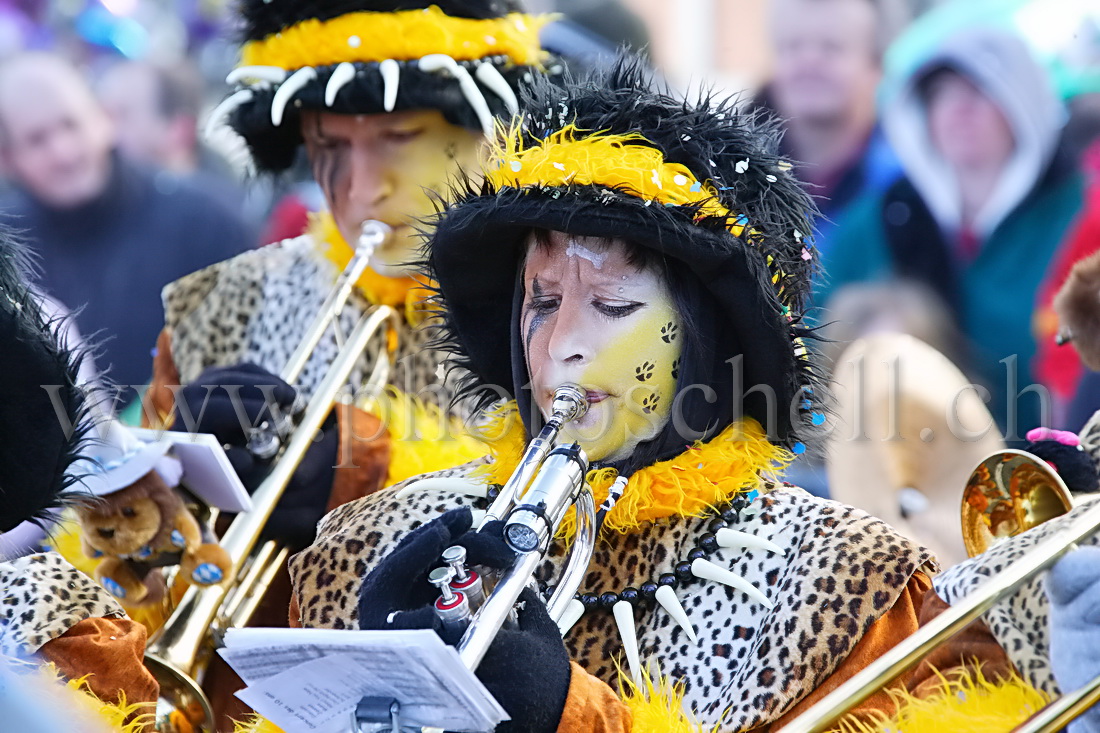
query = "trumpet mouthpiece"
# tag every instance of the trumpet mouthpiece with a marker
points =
(570, 401)
(372, 234)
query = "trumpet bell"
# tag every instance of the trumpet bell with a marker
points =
(182, 706)
(1008, 493)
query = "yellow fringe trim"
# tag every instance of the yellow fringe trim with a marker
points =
(704, 476)
(398, 292)
(423, 437)
(968, 702)
(403, 35)
(625, 162)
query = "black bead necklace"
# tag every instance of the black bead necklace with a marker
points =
(706, 544)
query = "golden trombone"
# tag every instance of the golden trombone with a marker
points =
(180, 650)
(1008, 493)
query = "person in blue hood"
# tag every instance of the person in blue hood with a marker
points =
(978, 214)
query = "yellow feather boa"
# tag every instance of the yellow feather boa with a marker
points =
(966, 702)
(423, 437)
(704, 476)
(659, 706)
(46, 689)
(408, 293)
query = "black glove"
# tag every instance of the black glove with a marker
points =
(396, 594)
(226, 401)
(526, 669)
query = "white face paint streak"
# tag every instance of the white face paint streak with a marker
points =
(579, 250)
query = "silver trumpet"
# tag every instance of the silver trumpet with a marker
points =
(533, 504)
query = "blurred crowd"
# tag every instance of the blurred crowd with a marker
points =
(952, 148)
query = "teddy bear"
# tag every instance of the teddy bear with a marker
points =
(141, 528)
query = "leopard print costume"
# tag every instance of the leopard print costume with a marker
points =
(842, 571)
(43, 597)
(256, 307)
(1019, 623)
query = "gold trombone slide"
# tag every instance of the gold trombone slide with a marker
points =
(887, 668)
(180, 650)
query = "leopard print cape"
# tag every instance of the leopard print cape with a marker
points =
(842, 571)
(44, 596)
(255, 307)
(1020, 622)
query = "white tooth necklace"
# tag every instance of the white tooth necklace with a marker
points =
(662, 592)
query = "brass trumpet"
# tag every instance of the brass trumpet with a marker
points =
(179, 652)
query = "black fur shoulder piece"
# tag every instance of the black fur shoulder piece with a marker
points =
(42, 411)
(743, 234)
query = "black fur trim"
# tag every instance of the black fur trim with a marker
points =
(1076, 467)
(265, 17)
(36, 448)
(273, 148)
(476, 246)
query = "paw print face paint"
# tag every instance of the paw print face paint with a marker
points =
(592, 318)
(670, 332)
(676, 369)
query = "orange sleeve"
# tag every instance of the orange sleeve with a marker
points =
(974, 646)
(363, 458)
(159, 402)
(592, 707)
(899, 622)
(110, 652)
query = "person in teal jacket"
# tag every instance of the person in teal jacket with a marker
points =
(978, 214)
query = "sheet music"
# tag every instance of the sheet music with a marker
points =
(310, 680)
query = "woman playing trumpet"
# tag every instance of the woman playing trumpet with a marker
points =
(654, 253)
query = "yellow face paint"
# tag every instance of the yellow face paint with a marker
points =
(383, 166)
(593, 319)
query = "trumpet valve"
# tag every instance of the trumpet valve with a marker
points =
(452, 607)
(464, 581)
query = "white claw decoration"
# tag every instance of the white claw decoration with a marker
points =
(391, 79)
(668, 600)
(732, 538)
(272, 74)
(488, 75)
(571, 615)
(470, 90)
(287, 90)
(624, 619)
(453, 485)
(224, 109)
(341, 75)
(706, 570)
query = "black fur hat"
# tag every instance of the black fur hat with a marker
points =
(40, 434)
(700, 183)
(465, 58)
